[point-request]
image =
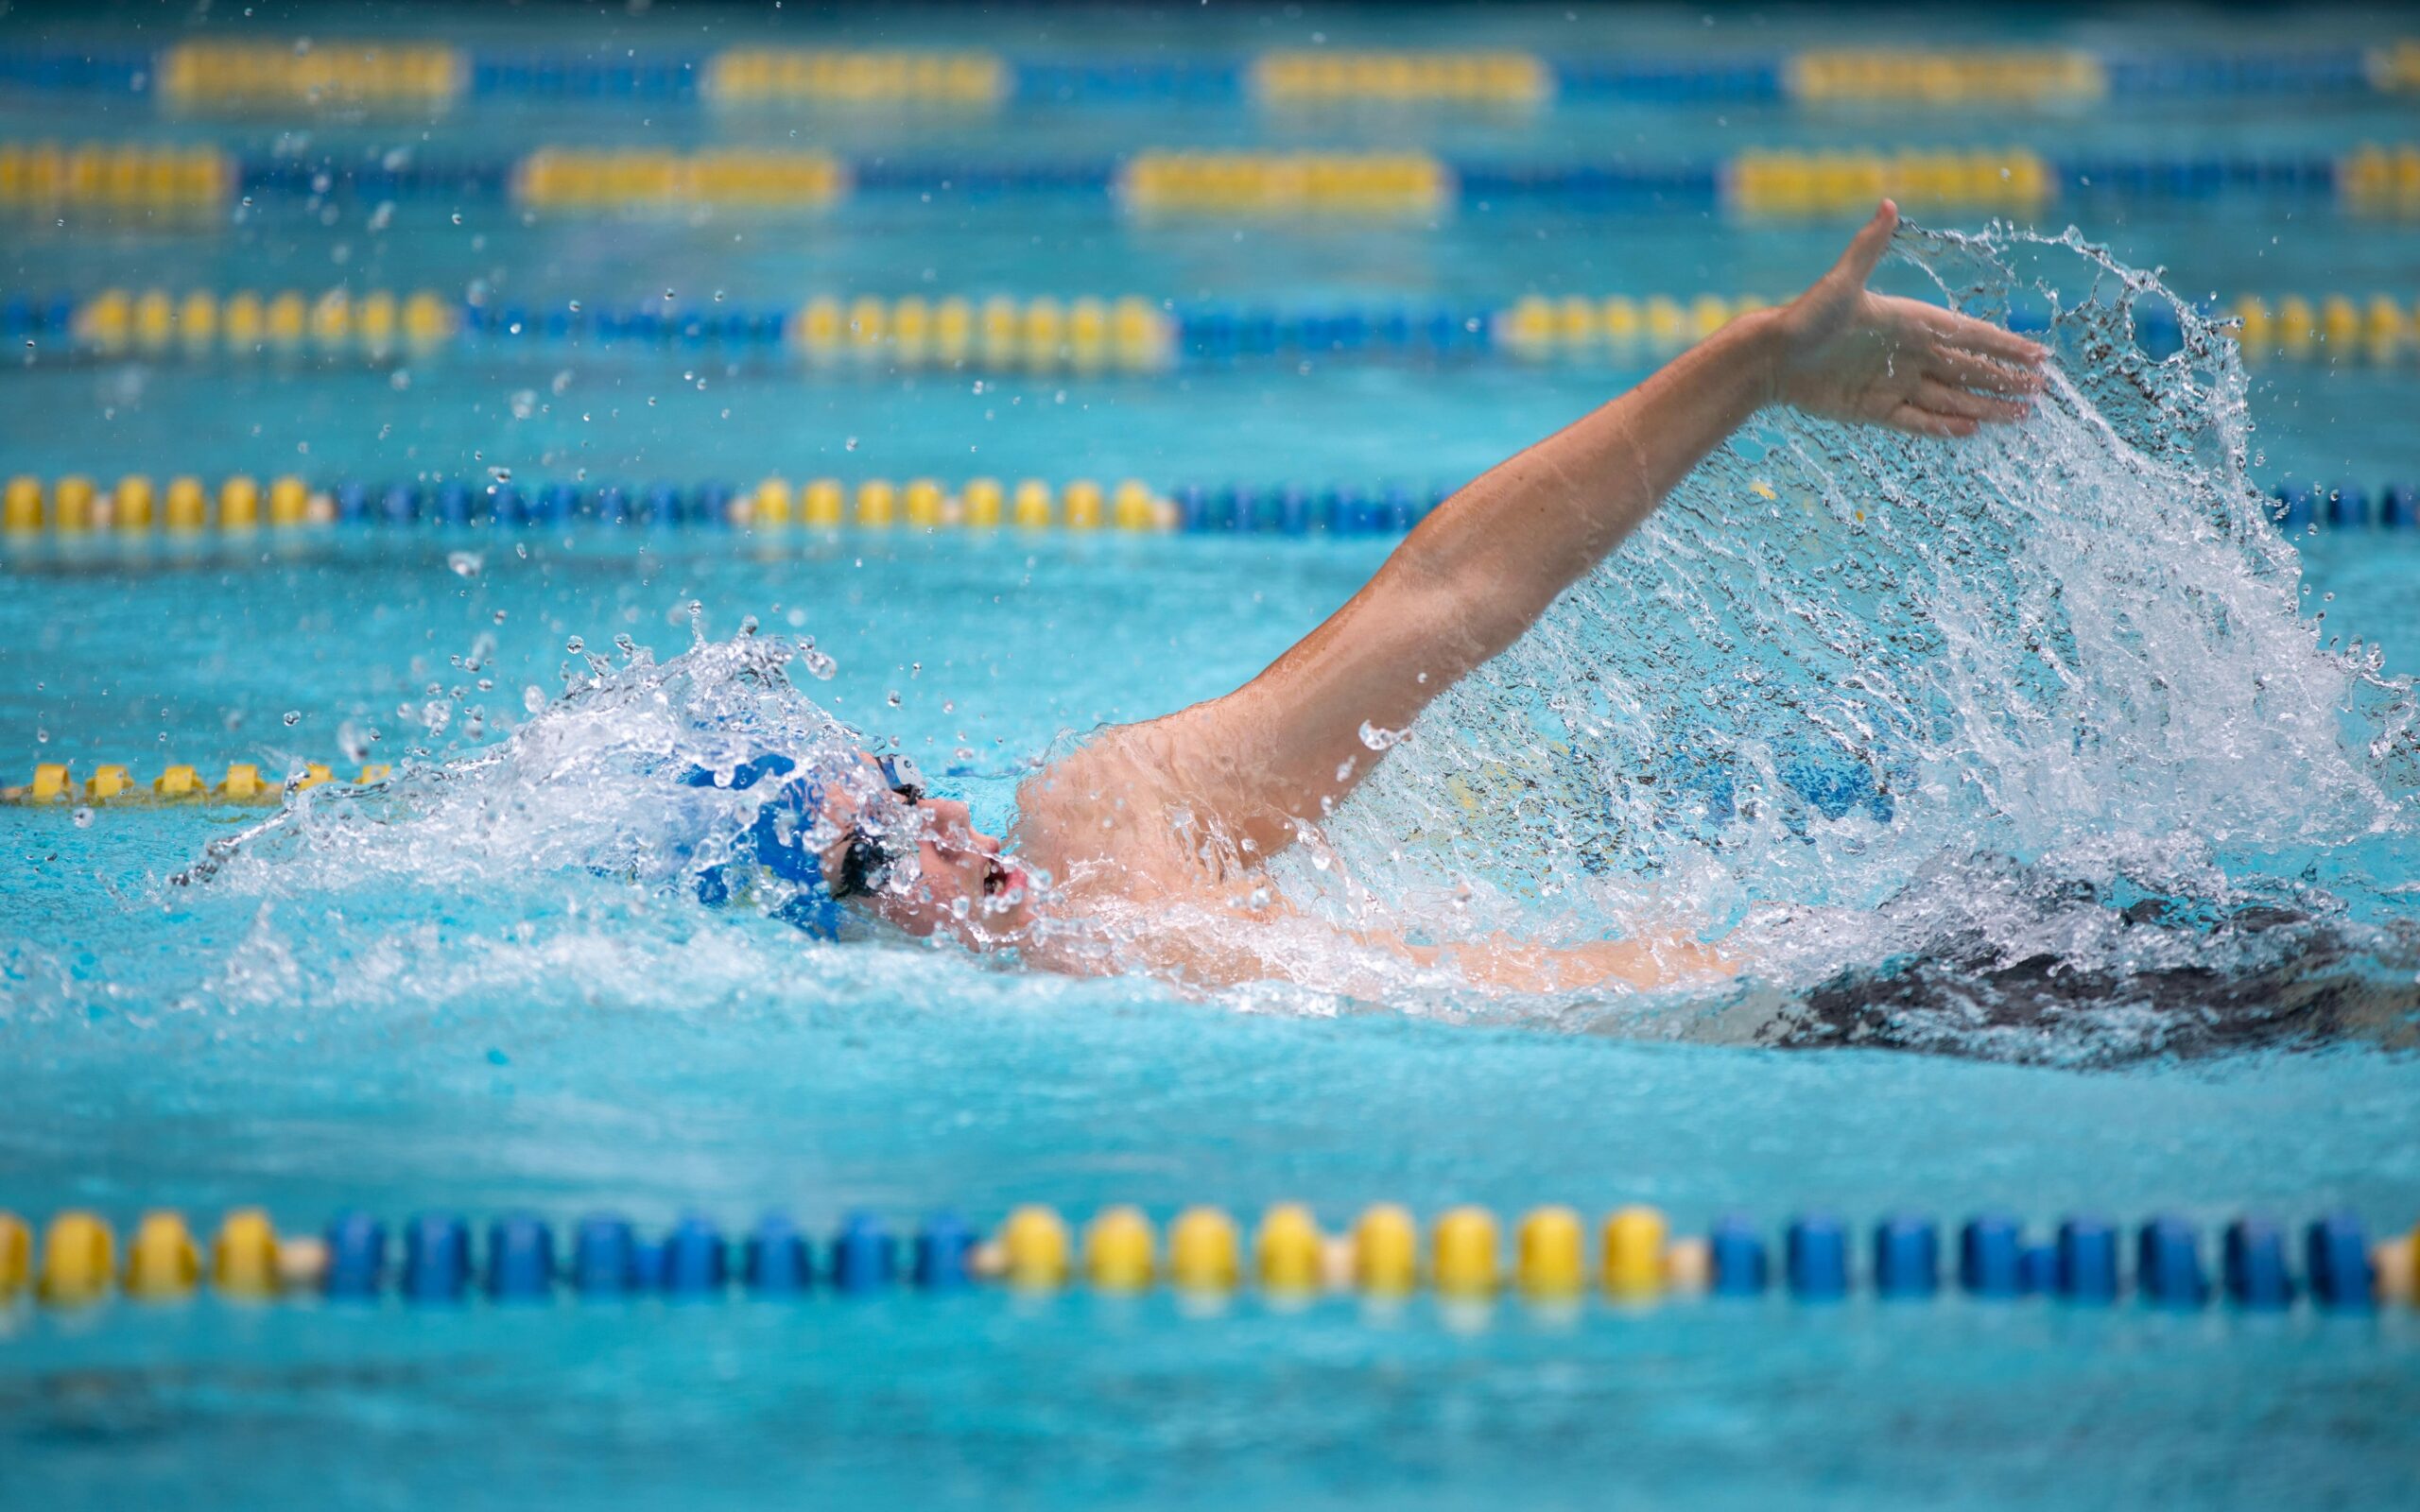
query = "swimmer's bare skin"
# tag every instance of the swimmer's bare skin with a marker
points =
(1180, 813)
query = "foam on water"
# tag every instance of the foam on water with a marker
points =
(1878, 710)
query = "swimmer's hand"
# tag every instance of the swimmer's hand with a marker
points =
(1844, 352)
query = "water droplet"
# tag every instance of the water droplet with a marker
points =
(1379, 738)
(894, 698)
(83, 818)
(465, 563)
(574, 646)
(533, 699)
(293, 717)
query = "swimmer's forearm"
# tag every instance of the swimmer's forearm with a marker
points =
(1498, 553)
(1520, 966)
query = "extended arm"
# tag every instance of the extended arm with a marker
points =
(1481, 570)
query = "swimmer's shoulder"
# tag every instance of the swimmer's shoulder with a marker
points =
(1095, 795)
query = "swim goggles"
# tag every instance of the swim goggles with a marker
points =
(867, 862)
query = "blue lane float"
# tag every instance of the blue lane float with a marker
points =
(2253, 1265)
(1736, 1252)
(1991, 1257)
(2336, 1256)
(1907, 1256)
(863, 1259)
(521, 1259)
(777, 1261)
(356, 1256)
(2087, 1268)
(605, 1258)
(1816, 1258)
(944, 1249)
(436, 1258)
(2167, 1265)
(695, 1261)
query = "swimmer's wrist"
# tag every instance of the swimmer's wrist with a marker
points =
(1762, 339)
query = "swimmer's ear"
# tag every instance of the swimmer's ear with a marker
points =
(1865, 251)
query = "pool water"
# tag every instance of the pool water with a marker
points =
(418, 1021)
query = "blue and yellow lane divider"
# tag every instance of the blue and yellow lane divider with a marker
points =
(356, 75)
(1045, 333)
(113, 786)
(1629, 1258)
(135, 509)
(2373, 179)
(77, 506)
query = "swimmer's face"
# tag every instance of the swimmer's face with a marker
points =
(957, 879)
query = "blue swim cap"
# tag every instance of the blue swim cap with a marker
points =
(793, 807)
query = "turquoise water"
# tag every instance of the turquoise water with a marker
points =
(424, 1019)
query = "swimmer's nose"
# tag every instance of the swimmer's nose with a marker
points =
(953, 824)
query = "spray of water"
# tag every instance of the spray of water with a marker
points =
(635, 776)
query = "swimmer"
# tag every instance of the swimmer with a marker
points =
(1165, 826)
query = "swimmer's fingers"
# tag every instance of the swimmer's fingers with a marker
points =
(1943, 399)
(1965, 333)
(1967, 370)
(1917, 420)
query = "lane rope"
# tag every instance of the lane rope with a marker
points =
(163, 180)
(2086, 1260)
(398, 74)
(1084, 335)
